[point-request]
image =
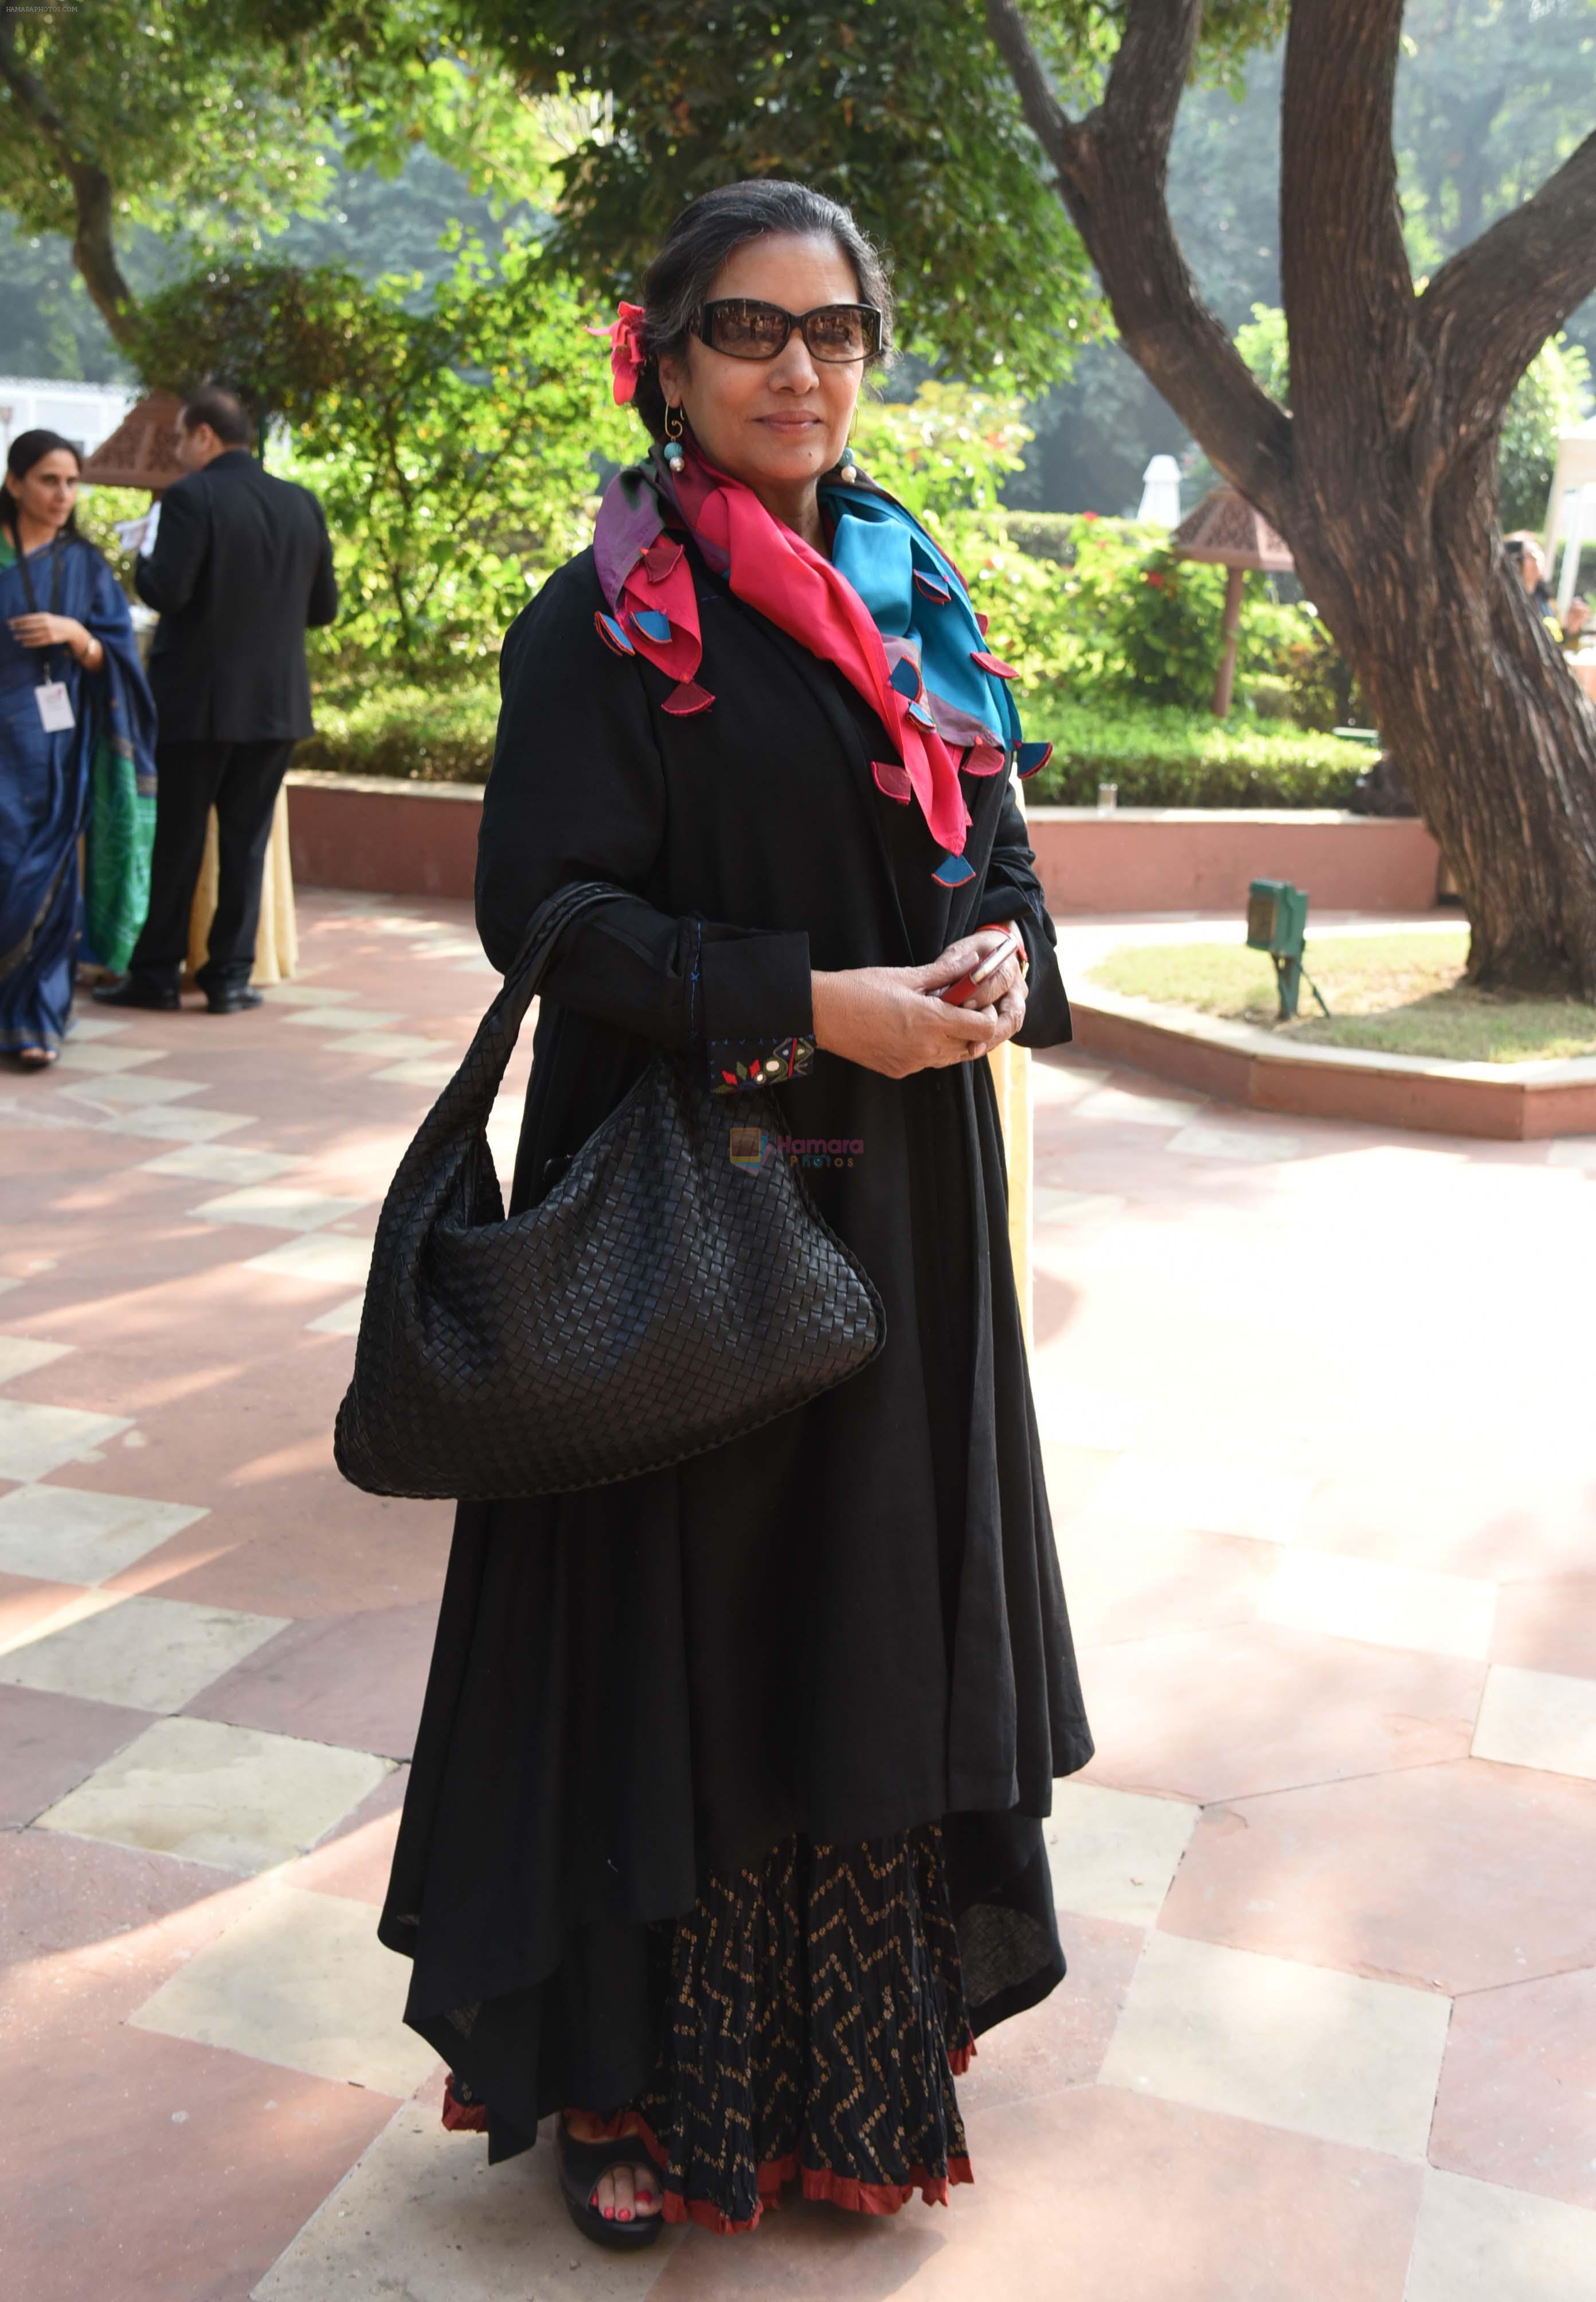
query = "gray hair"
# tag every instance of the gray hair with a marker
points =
(704, 235)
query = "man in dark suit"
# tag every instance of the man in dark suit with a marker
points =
(240, 566)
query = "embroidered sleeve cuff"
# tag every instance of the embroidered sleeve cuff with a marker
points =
(735, 1067)
(756, 1018)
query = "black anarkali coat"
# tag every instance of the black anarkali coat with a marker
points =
(847, 1623)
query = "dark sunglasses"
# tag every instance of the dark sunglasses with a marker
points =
(743, 330)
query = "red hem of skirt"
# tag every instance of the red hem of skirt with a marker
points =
(462, 2117)
(816, 2182)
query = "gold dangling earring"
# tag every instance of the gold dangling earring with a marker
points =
(846, 468)
(676, 454)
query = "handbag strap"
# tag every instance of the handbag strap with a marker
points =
(470, 1094)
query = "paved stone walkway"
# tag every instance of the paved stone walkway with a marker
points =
(1316, 1403)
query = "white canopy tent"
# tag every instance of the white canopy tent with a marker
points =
(1571, 508)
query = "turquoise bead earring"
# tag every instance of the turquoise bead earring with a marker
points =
(676, 454)
(846, 468)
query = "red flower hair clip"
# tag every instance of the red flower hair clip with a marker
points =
(626, 356)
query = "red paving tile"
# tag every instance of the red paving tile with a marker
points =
(26, 1604)
(1228, 1713)
(1487, 1518)
(1548, 1625)
(356, 1679)
(1515, 2099)
(145, 2169)
(49, 1742)
(1097, 2196)
(393, 1552)
(1357, 1833)
(1060, 2043)
(1464, 1876)
(1125, 1582)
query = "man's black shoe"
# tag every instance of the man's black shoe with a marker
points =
(132, 991)
(232, 1003)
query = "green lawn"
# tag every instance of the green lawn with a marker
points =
(1398, 994)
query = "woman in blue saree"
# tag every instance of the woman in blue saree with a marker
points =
(77, 753)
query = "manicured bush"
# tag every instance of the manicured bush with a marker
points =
(1159, 758)
(420, 734)
(1167, 758)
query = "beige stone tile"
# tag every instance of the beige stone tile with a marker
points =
(147, 1654)
(398, 1046)
(1118, 1103)
(1479, 2243)
(422, 2217)
(230, 1795)
(1112, 1853)
(1538, 1718)
(1388, 1605)
(419, 1074)
(277, 1206)
(98, 1026)
(307, 995)
(105, 1063)
(65, 1535)
(343, 1319)
(219, 1162)
(177, 1124)
(132, 1091)
(345, 1017)
(1304, 2047)
(301, 1980)
(1083, 1415)
(322, 1262)
(1253, 1145)
(35, 1440)
(21, 1354)
(1217, 1497)
(1054, 1206)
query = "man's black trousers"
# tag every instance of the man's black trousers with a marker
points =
(240, 781)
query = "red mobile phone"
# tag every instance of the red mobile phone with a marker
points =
(958, 993)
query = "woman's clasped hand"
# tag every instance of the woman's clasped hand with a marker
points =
(42, 630)
(893, 1021)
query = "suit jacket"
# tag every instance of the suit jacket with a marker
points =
(241, 565)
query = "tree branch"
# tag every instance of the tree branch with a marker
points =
(1345, 281)
(94, 247)
(1112, 172)
(1491, 306)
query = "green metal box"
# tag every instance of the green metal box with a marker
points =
(1277, 918)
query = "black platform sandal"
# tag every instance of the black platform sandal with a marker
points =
(581, 2164)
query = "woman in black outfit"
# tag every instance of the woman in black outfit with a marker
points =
(724, 1837)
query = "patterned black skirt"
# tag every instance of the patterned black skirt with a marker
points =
(815, 2023)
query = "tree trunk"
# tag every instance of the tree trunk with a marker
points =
(1495, 739)
(94, 252)
(1382, 479)
(94, 247)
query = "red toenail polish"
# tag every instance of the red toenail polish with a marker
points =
(626, 2214)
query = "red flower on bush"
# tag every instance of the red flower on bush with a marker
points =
(1154, 578)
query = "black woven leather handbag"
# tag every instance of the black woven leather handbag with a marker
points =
(659, 1301)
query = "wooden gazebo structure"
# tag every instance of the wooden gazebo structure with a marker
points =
(1227, 531)
(139, 452)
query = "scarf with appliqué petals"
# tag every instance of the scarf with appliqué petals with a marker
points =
(888, 608)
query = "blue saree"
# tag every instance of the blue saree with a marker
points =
(47, 780)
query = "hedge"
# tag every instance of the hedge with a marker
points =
(1162, 756)
(1159, 756)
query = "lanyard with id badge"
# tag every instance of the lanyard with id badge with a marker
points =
(54, 704)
